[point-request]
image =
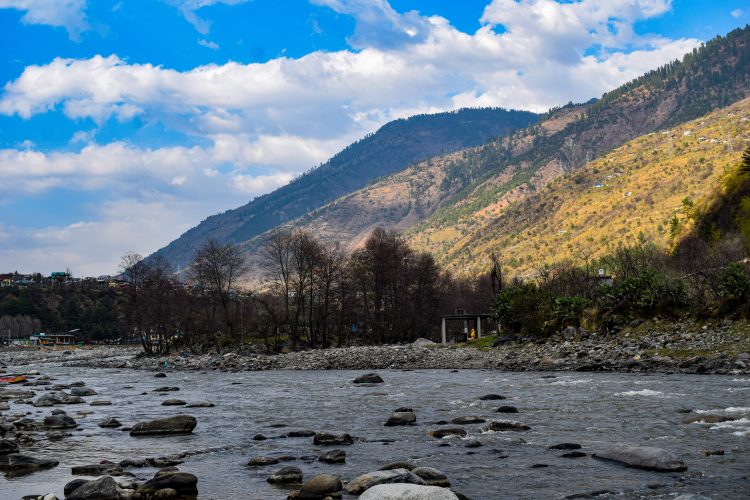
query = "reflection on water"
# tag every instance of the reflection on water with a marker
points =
(637, 409)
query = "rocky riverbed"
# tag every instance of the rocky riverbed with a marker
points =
(684, 347)
(88, 433)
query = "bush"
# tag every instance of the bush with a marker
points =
(644, 295)
(734, 284)
(568, 310)
(522, 308)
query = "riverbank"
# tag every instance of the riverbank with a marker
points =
(649, 347)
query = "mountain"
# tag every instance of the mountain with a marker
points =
(391, 149)
(448, 204)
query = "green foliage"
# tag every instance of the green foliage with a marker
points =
(734, 283)
(522, 308)
(644, 295)
(745, 162)
(568, 310)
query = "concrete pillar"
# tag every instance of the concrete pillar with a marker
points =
(479, 326)
(444, 336)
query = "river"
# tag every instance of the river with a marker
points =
(645, 410)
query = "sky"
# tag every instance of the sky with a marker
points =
(125, 123)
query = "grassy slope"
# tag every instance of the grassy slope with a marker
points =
(644, 183)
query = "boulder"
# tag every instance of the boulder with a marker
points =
(160, 375)
(432, 477)
(82, 391)
(573, 454)
(7, 447)
(365, 481)
(333, 457)
(399, 465)
(492, 397)
(72, 485)
(50, 398)
(449, 431)
(300, 433)
(401, 491)
(73, 400)
(508, 425)
(507, 409)
(262, 461)
(422, 342)
(368, 378)
(179, 424)
(565, 446)
(286, 475)
(173, 402)
(59, 422)
(467, 420)
(183, 483)
(15, 464)
(110, 423)
(104, 488)
(107, 468)
(328, 439)
(401, 418)
(320, 486)
(641, 457)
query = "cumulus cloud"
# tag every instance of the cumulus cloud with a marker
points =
(736, 13)
(189, 8)
(68, 14)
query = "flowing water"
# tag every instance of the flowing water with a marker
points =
(573, 407)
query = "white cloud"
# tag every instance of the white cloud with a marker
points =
(208, 44)
(188, 9)
(68, 14)
(737, 13)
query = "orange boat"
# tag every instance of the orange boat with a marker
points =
(13, 379)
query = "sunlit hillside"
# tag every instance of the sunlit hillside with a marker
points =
(643, 190)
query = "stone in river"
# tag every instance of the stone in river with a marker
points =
(507, 409)
(573, 454)
(100, 402)
(398, 465)
(401, 418)
(15, 464)
(104, 488)
(167, 389)
(259, 437)
(467, 420)
(73, 400)
(179, 424)
(365, 481)
(59, 422)
(432, 477)
(183, 483)
(107, 468)
(507, 425)
(320, 486)
(173, 402)
(328, 439)
(160, 375)
(333, 457)
(300, 433)
(708, 419)
(286, 475)
(565, 446)
(451, 431)
(200, 405)
(410, 491)
(263, 461)
(368, 378)
(641, 457)
(492, 397)
(72, 485)
(7, 447)
(82, 391)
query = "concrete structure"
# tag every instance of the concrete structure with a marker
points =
(467, 319)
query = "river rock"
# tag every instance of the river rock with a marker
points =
(401, 418)
(328, 439)
(641, 457)
(107, 468)
(173, 402)
(82, 391)
(303, 433)
(72, 485)
(100, 402)
(508, 425)
(179, 424)
(50, 398)
(565, 446)
(15, 464)
(200, 405)
(449, 431)
(262, 461)
(286, 475)
(166, 389)
(467, 420)
(708, 419)
(7, 447)
(365, 481)
(492, 397)
(320, 486)
(398, 465)
(333, 457)
(59, 422)
(104, 488)
(368, 378)
(507, 409)
(432, 477)
(160, 375)
(73, 400)
(183, 483)
(401, 491)
(110, 423)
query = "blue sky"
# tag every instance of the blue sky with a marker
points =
(124, 123)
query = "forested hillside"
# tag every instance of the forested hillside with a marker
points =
(390, 149)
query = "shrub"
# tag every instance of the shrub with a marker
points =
(644, 295)
(734, 283)
(522, 308)
(568, 310)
